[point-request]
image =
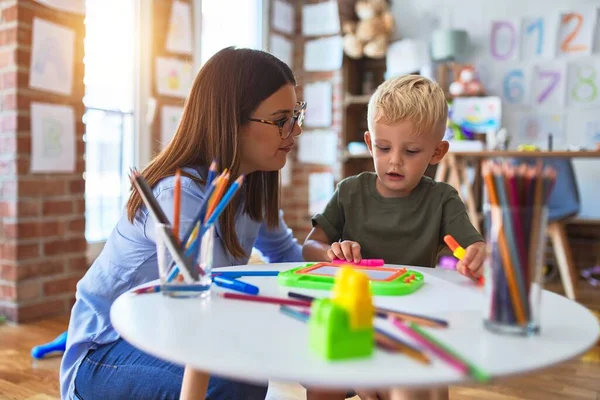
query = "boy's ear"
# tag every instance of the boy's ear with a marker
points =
(439, 153)
(368, 142)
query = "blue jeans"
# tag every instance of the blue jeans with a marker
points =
(120, 371)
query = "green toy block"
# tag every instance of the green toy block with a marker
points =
(331, 336)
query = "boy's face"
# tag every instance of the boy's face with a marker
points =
(401, 157)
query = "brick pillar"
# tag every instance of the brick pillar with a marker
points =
(42, 215)
(294, 200)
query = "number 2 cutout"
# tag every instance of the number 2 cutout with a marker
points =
(566, 45)
(554, 77)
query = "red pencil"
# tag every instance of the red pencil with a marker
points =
(265, 299)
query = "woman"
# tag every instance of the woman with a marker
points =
(242, 111)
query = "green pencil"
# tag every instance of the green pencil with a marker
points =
(475, 371)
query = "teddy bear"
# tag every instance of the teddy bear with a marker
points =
(367, 26)
(467, 84)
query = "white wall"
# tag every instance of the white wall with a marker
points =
(418, 18)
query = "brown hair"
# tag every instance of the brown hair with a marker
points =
(226, 91)
(410, 97)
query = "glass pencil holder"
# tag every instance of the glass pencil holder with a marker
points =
(513, 270)
(177, 280)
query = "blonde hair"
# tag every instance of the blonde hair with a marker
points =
(409, 97)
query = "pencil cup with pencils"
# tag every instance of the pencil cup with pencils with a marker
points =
(514, 228)
(185, 282)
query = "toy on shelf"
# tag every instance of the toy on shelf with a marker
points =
(342, 327)
(368, 26)
(467, 84)
(383, 281)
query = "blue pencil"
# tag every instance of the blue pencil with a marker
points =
(193, 249)
(212, 172)
(222, 204)
(237, 274)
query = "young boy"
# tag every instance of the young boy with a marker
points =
(397, 213)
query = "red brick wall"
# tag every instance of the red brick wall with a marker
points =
(42, 224)
(295, 197)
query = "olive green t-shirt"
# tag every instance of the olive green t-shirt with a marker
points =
(402, 230)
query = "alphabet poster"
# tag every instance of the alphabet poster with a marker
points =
(52, 138)
(52, 51)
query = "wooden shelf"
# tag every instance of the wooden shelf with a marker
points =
(352, 99)
(356, 156)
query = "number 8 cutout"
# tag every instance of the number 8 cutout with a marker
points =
(583, 84)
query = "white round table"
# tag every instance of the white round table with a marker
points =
(255, 342)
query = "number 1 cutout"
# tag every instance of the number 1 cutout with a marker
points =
(539, 25)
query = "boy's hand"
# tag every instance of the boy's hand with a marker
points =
(472, 263)
(346, 250)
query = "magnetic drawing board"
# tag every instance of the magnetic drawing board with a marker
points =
(385, 281)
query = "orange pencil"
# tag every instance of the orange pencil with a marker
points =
(177, 204)
(222, 182)
(459, 252)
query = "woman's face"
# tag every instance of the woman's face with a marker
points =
(262, 146)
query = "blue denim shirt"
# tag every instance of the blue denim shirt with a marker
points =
(129, 259)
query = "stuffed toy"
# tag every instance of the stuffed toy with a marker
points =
(467, 84)
(367, 26)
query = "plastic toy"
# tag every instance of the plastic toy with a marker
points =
(342, 327)
(57, 345)
(384, 281)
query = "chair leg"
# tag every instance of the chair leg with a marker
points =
(564, 257)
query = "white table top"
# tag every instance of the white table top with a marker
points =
(255, 342)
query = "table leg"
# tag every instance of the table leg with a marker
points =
(195, 384)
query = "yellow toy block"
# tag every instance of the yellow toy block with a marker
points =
(352, 292)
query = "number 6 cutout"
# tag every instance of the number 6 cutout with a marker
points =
(576, 31)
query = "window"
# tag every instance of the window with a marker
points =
(230, 23)
(109, 117)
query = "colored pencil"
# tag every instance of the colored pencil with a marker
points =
(237, 274)
(404, 347)
(145, 192)
(265, 299)
(437, 351)
(384, 340)
(474, 370)
(222, 183)
(517, 196)
(177, 204)
(212, 172)
(384, 313)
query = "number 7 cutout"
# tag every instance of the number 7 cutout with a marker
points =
(549, 83)
(576, 31)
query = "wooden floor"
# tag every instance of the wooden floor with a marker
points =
(21, 377)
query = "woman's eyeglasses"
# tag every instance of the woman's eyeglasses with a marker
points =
(286, 125)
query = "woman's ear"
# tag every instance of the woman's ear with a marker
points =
(368, 142)
(440, 151)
